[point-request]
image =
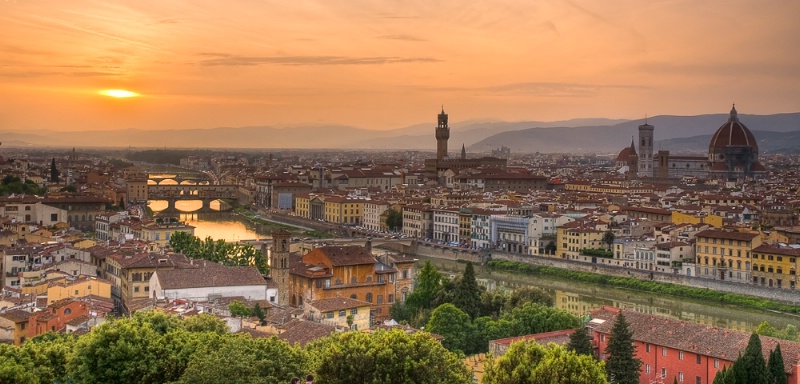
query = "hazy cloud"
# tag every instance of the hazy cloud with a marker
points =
(401, 37)
(314, 60)
(543, 89)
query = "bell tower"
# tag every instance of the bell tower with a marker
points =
(442, 135)
(279, 264)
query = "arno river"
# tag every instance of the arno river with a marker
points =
(575, 297)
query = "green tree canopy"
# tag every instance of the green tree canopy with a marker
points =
(454, 325)
(622, 366)
(394, 219)
(385, 357)
(531, 363)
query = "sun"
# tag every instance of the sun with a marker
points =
(118, 93)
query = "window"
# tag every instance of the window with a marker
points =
(647, 347)
(53, 217)
(354, 296)
(697, 380)
(698, 359)
(716, 363)
(391, 299)
(67, 311)
(380, 299)
(354, 311)
(647, 368)
(663, 372)
(329, 315)
(369, 297)
(602, 338)
(680, 355)
(663, 351)
(342, 313)
(680, 377)
(136, 289)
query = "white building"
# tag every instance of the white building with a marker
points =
(446, 225)
(542, 230)
(210, 280)
(373, 209)
(510, 233)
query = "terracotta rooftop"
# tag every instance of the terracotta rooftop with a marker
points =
(338, 303)
(210, 275)
(715, 342)
(303, 332)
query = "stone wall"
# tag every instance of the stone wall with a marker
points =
(448, 253)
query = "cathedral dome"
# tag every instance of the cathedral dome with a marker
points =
(733, 134)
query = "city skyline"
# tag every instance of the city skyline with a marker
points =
(381, 66)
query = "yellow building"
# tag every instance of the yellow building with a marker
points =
(342, 210)
(775, 266)
(82, 287)
(725, 255)
(160, 233)
(682, 218)
(572, 237)
(302, 206)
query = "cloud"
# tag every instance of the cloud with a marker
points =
(542, 89)
(401, 37)
(314, 60)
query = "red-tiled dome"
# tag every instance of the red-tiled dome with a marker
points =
(732, 134)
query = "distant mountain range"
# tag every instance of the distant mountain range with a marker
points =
(775, 133)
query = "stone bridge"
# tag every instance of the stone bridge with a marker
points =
(180, 179)
(204, 193)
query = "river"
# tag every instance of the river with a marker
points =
(575, 297)
(581, 298)
(227, 226)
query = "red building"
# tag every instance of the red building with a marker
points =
(56, 316)
(689, 352)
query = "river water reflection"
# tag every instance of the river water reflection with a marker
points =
(581, 298)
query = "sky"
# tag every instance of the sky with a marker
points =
(389, 64)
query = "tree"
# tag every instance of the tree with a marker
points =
(750, 367)
(621, 365)
(529, 362)
(580, 342)
(427, 287)
(724, 376)
(260, 314)
(453, 324)
(524, 295)
(775, 367)
(550, 248)
(205, 323)
(384, 356)
(238, 308)
(467, 295)
(394, 219)
(608, 239)
(53, 171)
(243, 360)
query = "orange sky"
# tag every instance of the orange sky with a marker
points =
(380, 65)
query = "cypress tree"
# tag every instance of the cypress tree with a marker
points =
(467, 294)
(775, 367)
(580, 342)
(53, 171)
(751, 368)
(622, 367)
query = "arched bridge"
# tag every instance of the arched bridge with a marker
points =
(180, 179)
(204, 193)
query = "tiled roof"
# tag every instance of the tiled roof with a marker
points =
(348, 255)
(338, 303)
(712, 233)
(697, 338)
(16, 315)
(210, 275)
(303, 332)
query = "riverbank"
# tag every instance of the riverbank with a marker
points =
(294, 229)
(646, 286)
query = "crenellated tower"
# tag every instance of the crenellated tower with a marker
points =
(442, 135)
(646, 150)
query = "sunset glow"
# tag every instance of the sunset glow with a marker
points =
(380, 65)
(118, 93)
